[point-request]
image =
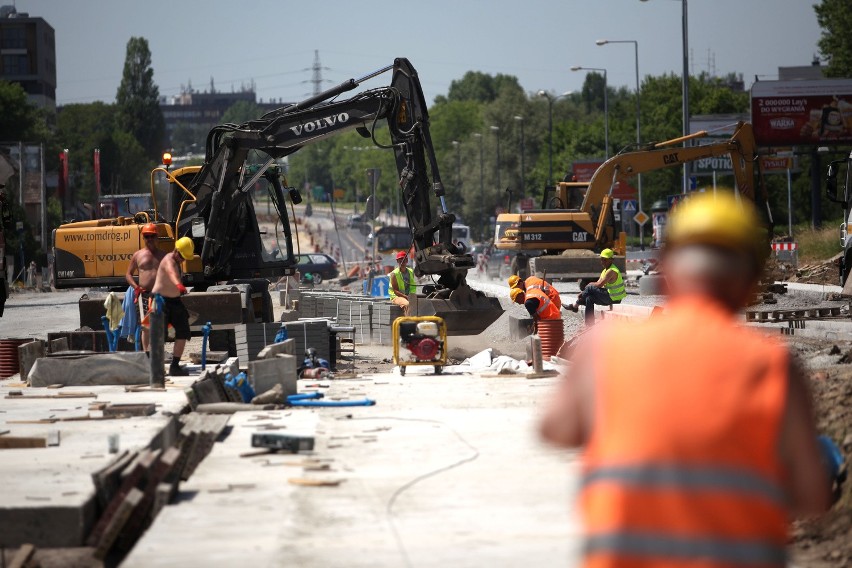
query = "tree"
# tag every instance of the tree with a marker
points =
(835, 19)
(20, 120)
(241, 112)
(478, 86)
(138, 99)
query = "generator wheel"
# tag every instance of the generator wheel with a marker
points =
(402, 370)
(438, 369)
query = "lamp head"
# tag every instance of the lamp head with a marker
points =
(602, 42)
(576, 68)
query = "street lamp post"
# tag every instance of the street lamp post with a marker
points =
(457, 145)
(638, 112)
(549, 98)
(606, 105)
(496, 131)
(684, 87)
(481, 190)
(520, 119)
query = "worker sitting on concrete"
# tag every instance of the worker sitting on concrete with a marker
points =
(608, 290)
(536, 282)
(401, 282)
(699, 438)
(537, 303)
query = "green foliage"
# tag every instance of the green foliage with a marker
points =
(241, 112)
(20, 120)
(188, 138)
(137, 99)
(481, 87)
(835, 44)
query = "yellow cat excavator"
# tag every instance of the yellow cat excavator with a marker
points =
(570, 236)
(213, 204)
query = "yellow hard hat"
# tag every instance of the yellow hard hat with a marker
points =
(514, 293)
(718, 219)
(607, 253)
(185, 247)
(513, 280)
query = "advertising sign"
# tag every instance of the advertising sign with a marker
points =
(585, 169)
(802, 112)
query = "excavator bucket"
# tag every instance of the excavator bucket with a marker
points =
(464, 310)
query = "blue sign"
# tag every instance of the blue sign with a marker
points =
(693, 182)
(629, 205)
(380, 287)
(675, 199)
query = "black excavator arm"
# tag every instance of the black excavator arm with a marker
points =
(221, 185)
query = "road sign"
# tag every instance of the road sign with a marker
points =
(629, 205)
(641, 218)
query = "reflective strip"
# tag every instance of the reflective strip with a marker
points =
(688, 478)
(716, 550)
(545, 289)
(616, 289)
(543, 302)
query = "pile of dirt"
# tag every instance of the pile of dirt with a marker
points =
(827, 540)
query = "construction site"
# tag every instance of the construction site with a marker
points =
(399, 469)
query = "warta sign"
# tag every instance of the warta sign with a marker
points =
(786, 113)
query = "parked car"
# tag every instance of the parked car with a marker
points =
(320, 266)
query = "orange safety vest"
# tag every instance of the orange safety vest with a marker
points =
(534, 282)
(547, 310)
(682, 464)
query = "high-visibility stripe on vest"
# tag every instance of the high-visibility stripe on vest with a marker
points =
(682, 466)
(616, 289)
(534, 282)
(546, 310)
(401, 282)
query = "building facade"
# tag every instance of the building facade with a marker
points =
(28, 56)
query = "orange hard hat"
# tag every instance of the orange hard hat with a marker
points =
(149, 229)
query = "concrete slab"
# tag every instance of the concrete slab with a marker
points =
(444, 471)
(47, 495)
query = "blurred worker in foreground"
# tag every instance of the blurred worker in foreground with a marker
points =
(145, 261)
(170, 286)
(698, 433)
(536, 282)
(608, 290)
(401, 282)
(538, 305)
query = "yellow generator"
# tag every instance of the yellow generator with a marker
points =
(424, 337)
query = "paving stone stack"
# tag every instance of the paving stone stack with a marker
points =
(359, 314)
(250, 338)
(384, 313)
(307, 333)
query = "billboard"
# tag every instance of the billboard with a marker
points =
(802, 112)
(719, 127)
(585, 169)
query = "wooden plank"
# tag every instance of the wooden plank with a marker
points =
(16, 442)
(23, 557)
(142, 409)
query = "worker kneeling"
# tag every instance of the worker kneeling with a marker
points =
(401, 282)
(608, 290)
(539, 306)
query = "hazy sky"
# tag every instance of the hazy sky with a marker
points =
(272, 41)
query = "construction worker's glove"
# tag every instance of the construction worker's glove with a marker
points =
(835, 465)
(182, 289)
(137, 291)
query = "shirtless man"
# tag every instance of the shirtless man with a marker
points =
(145, 261)
(169, 285)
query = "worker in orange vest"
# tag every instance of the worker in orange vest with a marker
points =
(699, 436)
(536, 282)
(538, 305)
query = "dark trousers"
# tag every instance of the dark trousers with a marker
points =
(592, 295)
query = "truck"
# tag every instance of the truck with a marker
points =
(212, 203)
(578, 222)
